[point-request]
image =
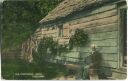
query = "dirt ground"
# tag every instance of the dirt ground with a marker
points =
(72, 68)
(71, 77)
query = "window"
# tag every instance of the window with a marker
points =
(60, 34)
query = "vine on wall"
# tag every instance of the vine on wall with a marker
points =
(79, 39)
(48, 48)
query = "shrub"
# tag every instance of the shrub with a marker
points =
(80, 38)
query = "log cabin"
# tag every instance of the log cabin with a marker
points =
(106, 23)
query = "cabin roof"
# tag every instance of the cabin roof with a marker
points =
(69, 6)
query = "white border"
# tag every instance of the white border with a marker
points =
(69, 80)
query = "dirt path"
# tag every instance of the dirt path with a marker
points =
(71, 77)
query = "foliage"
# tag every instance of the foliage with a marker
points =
(10, 67)
(20, 19)
(48, 48)
(62, 48)
(80, 38)
(53, 70)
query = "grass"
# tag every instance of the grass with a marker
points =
(10, 67)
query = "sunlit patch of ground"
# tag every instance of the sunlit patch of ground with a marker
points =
(70, 77)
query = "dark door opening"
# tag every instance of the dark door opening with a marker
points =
(124, 34)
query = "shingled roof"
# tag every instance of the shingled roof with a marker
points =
(69, 6)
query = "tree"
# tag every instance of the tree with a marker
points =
(20, 19)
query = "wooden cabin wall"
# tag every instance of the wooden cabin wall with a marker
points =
(122, 33)
(102, 27)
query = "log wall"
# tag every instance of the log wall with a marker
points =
(102, 27)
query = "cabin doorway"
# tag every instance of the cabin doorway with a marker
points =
(123, 35)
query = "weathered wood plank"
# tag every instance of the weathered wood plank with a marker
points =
(94, 17)
(102, 28)
(105, 56)
(50, 31)
(106, 42)
(108, 50)
(103, 35)
(109, 64)
(94, 11)
(110, 57)
(95, 23)
(90, 30)
(102, 50)
(103, 8)
(72, 54)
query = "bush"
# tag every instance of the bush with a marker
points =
(80, 38)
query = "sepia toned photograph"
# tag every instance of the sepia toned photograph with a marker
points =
(63, 39)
